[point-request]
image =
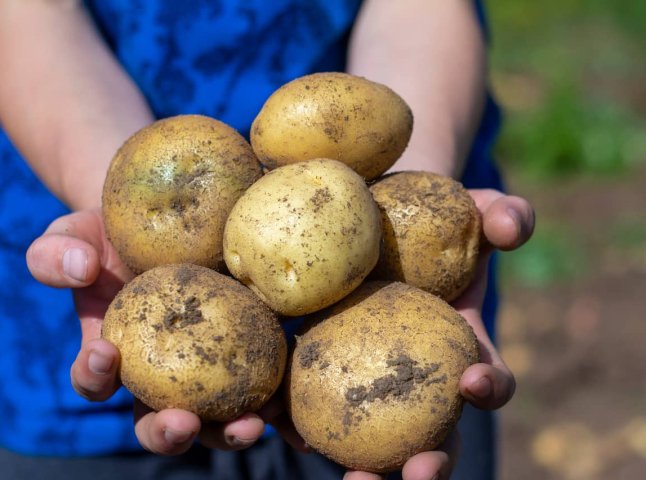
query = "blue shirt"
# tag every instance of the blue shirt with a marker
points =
(219, 58)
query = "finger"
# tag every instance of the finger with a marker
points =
(490, 384)
(356, 475)
(436, 464)
(94, 373)
(235, 435)
(73, 251)
(433, 465)
(168, 432)
(62, 261)
(486, 386)
(507, 221)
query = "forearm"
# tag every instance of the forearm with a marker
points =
(65, 102)
(432, 53)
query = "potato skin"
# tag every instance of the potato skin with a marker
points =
(335, 115)
(432, 231)
(194, 339)
(303, 236)
(170, 188)
(374, 379)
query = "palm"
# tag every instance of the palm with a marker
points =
(93, 301)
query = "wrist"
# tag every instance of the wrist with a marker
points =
(85, 157)
(441, 157)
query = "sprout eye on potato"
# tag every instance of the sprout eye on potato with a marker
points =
(374, 379)
(334, 115)
(169, 190)
(194, 339)
(303, 236)
(432, 231)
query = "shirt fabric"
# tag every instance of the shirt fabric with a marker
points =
(218, 58)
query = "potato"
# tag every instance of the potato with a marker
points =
(432, 231)
(374, 380)
(333, 115)
(194, 339)
(303, 236)
(170, 188)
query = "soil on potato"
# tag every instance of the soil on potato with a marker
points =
(577, 345)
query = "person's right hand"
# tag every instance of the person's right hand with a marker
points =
(507, 223)
(75, 253)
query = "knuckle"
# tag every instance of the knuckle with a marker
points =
(90, 389)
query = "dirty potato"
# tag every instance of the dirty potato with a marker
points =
(194, 339)
(432, 231)
(303, 236)
(374, 379)
(169, 189)
(348, 118)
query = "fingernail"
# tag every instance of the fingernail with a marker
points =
(177, 438)
(75, 264)
(238, 442)
(482, 388)
(99, 363)
(436, 477)
(516, 218)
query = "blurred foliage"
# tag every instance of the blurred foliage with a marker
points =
(568, 135)
(569, 75)
(554, 254)
(628, 231)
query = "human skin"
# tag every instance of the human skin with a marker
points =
(433, 54)
(440, 72)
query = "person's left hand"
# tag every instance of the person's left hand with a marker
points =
(507, 223)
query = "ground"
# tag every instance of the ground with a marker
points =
(575, 342)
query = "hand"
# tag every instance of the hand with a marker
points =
(508, 222)
(75, 253)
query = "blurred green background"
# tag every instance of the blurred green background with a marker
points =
(570, 76)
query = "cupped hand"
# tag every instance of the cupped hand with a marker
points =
(75, 253)
(507, 223)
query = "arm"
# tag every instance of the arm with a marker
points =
(64, 101)
(67, 105)
(432, 53)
